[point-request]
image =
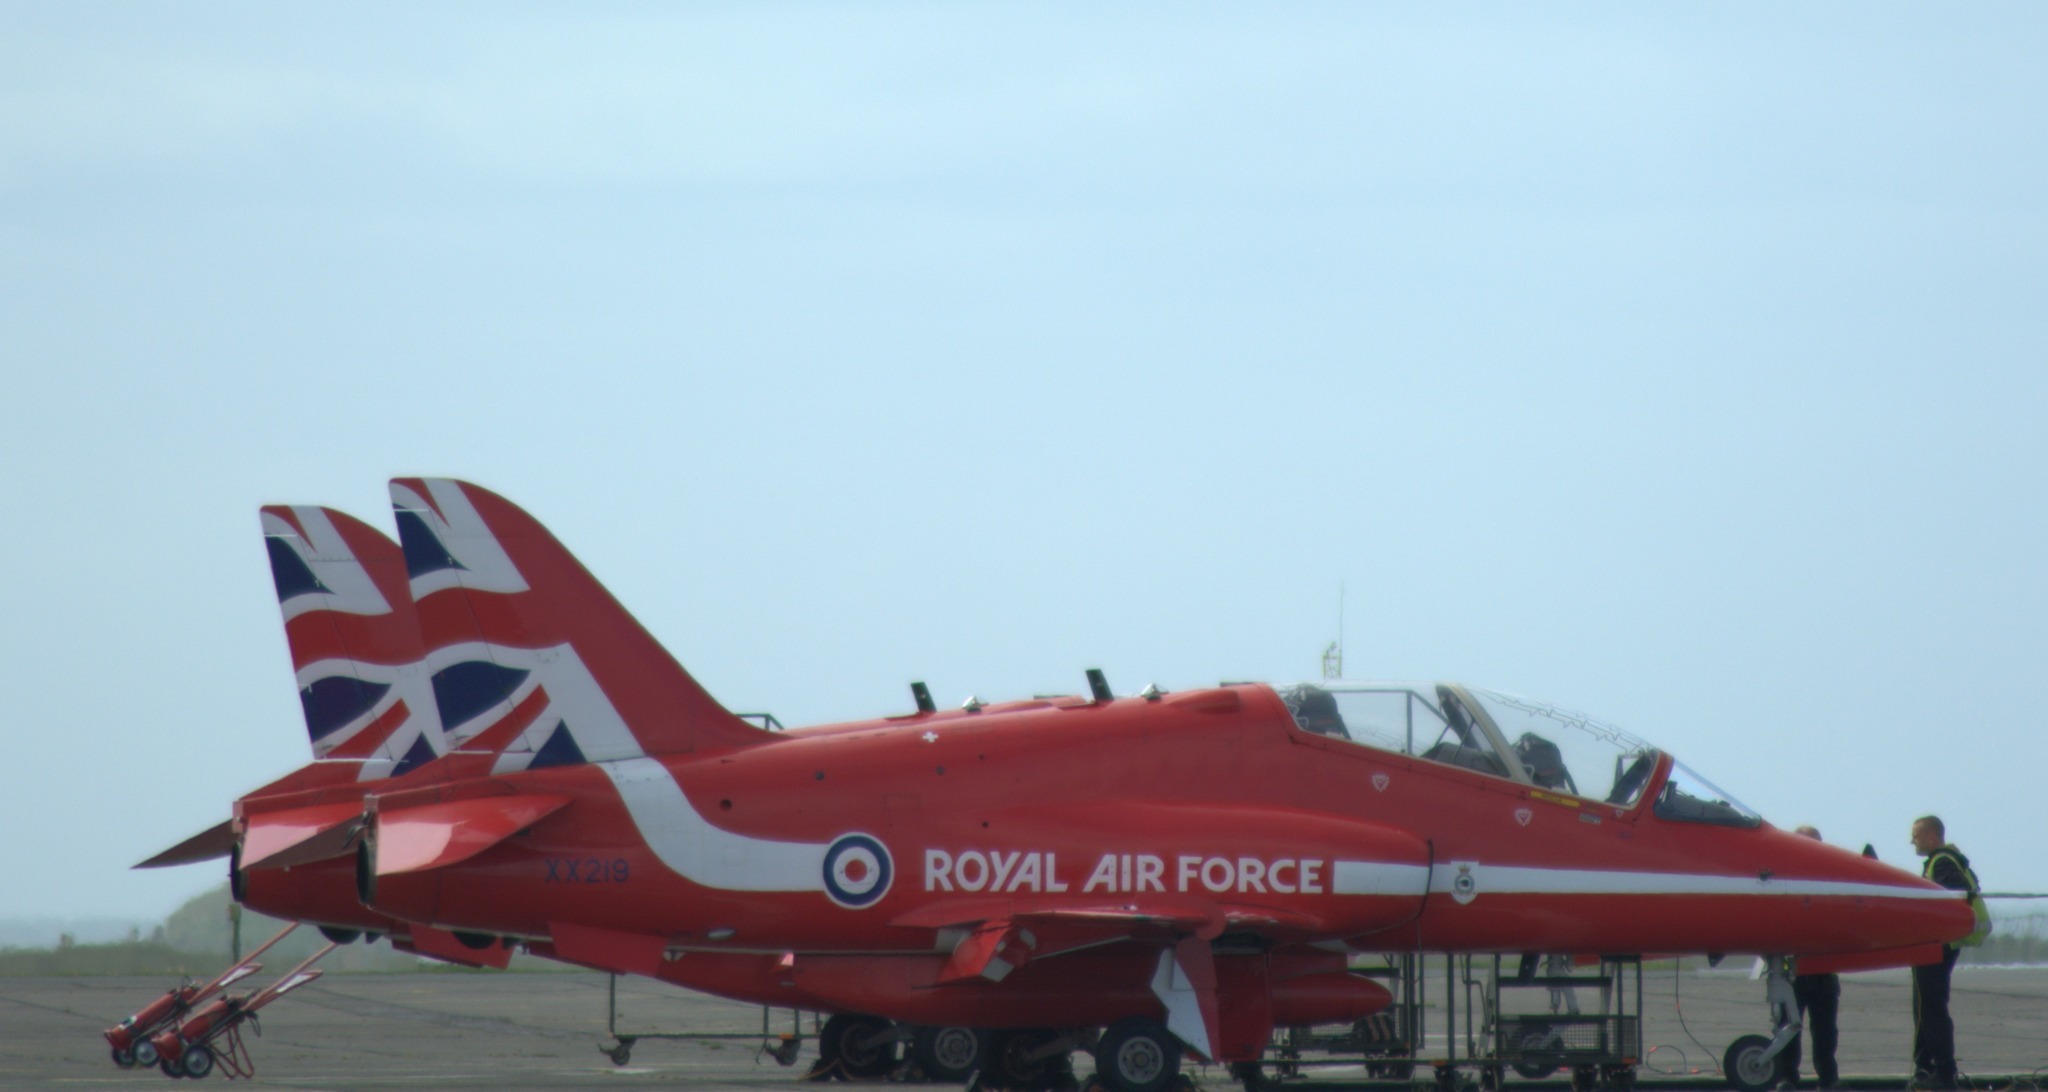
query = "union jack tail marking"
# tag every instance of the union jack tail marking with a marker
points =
(355, 642)
(530, 657)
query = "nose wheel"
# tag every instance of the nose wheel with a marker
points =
(1750, 1065)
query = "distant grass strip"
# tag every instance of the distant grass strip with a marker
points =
(122, 958)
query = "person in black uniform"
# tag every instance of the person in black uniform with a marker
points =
(1820, 998)
(1934, 1034)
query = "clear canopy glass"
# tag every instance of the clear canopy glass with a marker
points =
(1502, 735)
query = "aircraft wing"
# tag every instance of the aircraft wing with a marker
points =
(999, 937)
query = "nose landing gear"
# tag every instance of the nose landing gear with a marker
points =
(1751, 1062)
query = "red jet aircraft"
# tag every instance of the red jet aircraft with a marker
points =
(504, 757)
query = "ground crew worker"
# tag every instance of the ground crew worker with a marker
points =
(1820, 998)
(1934, 1034)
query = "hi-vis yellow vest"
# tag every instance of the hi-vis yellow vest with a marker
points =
(1983, 912)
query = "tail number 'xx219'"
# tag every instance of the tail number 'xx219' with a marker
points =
(588, 870)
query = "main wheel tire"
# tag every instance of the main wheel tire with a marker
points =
(1746, 1067)
(145, 1053)
(1395, 1070)
(947, 1054)
(845, 1039)
(198, 1061)
(1531, 1043)
(124, 1057)
(1253, 1076)
(1137, 1055)
(1007, 1060)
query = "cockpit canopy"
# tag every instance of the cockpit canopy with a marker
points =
(1500, 735)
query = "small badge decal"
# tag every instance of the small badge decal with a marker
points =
(1465, 884)
(1523, 815)
(1380, 782)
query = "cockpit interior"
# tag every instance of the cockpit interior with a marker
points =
(1504, 736)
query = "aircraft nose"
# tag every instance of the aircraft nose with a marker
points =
(1907, 910)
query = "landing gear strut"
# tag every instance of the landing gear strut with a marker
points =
(1752, 1061)
(1029, 1059)
(864, 1047)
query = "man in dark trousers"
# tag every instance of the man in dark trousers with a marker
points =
(1820, 997)
(1934, 1034)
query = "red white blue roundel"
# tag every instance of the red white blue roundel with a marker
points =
(857, 870)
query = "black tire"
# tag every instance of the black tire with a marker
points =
(145, 1054)
(198, 1061)
(1746, 1067)
(949, 1054)
(1392, 1070)
(339, 935)
(1137, 1055)
(1253, 1076)
(843, 1040)
(1534, 1072)
(1007, 1063)
(124, 1058)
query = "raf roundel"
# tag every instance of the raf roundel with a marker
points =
(857, 870)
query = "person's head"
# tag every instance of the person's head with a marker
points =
(1807, 832)
(1928, 835)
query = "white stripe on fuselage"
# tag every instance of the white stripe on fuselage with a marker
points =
(704, 854)
(1516, 880)
(1375, 878)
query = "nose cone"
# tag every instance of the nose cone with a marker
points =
(1852, 903)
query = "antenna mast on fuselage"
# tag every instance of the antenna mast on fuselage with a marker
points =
(1333, 656)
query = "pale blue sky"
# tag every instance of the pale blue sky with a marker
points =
(1683, 364)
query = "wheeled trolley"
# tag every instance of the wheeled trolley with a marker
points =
(1533, 1022)
(781, 1047)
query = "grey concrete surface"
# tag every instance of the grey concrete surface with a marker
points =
(543, 1031)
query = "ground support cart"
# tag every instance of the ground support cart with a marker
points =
(1532, 1021)
(783, 1048)
(1530, 1014)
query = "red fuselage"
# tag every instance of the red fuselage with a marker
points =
(1203, 803)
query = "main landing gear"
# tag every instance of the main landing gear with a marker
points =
(1134, 1055)
(1137, 1055)
(950, 1055)
(858, 1047)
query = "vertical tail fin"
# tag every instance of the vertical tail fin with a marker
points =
(355, 641)
(532, 658)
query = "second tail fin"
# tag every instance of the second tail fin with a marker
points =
(355, 641)
(531, 657)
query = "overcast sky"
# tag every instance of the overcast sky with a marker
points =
(1682, 364)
